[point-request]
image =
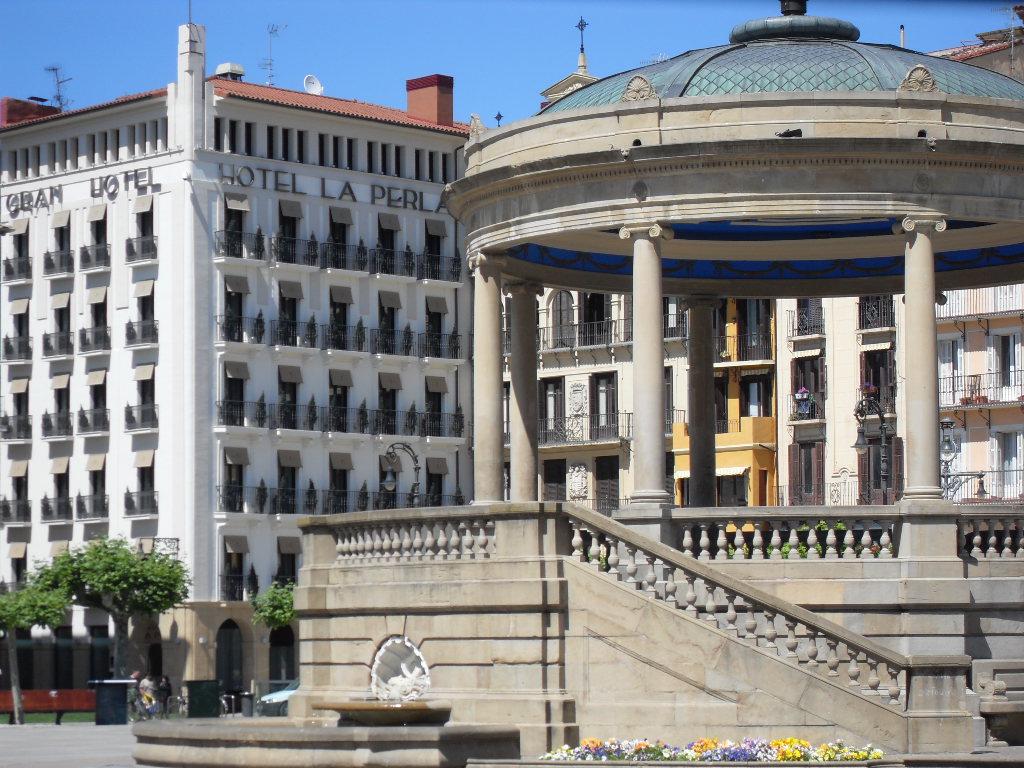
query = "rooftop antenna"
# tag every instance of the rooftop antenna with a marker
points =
(60, 99)
(273, 30)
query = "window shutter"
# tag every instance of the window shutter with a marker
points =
(863, 370)
(897, 469)
(819, 472)
(559, 398)
(794, 473)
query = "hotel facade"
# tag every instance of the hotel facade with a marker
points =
(221, 303)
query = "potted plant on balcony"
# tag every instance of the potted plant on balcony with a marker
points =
(363, 418)
(458, 421)
(363, 499)
(311, 332)
(312, 251)
(460, 498)
(455, 267)
(801, 394)
(259, 248)
(407, 338)
(259, 326)
(360, 340)
(261, 496)
(310, 503)
(311, 413)
(361, 256)
(261, 411)
(410, 261)
(411, 418)
(868, 389)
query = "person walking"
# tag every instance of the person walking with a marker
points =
(163, 694)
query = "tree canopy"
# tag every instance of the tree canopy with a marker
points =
(32, 606)
(275, 606)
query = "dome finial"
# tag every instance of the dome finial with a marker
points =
(794, 7)
(581, 61)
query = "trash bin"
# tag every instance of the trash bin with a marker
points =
(246, 703)
(203, 698)
(111, 701)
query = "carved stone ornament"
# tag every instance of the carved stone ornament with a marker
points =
(399, 672)
(919, 79)
(577, 482)
(638, 89)
(923, 224)
(578, 399)
(476, 126)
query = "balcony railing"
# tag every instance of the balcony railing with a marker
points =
(94, 339)
(94, 507)
(232, 587)
(294, 250)
(140, 417)
(16, 348)
(141, 503)
(974, 302)
(434, 267)
(885, 395)
(251, 330)
(94, 256)
(239, 499)
(240, 245)
(745, 347)
(603, 333)
(341, 256)
(874, 312)
(835, 494)
(447, 346)
(725, 426)
(58, 424)
(58, 263)
(339, 502)
(292, 333)
(140, 249)
(58, 344)
(236, 413)
(442, 424)
(674, 416)
(15, 511)
(980, 390)
(392, 423)
(338, 419)
(806, 322)
(998, 486)
(386, 341)
(289, 501)
(343, 337)
(574, 430)
(58, 509)
(384, 261)
(808, 406)
(673, 327)
(294, 416)
(139, 332)
(93, 421)
(17, 268)
(15, 427)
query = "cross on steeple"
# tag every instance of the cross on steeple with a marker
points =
(581, 25)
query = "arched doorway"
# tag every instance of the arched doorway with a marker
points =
(282, 654)
(229, 657)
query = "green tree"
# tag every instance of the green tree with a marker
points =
(275, 606)
(32, 606)
(110, 575)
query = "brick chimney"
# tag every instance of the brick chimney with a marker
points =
(14, 111)
(430, 98)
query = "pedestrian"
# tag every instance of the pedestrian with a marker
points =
(163, 693)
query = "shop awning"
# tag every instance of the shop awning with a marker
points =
(20, 386)
(59, 547)
(95, 378)
(17, 549)
(236, 369)
(341, 294)
(144, 372)
(60, 381)
(60, 300)
(96, 212)
(389, 221)
(390, 299)
(289, 545)
(437, 228)
(291, 374)
(95, 462)
(438, 304)
(719, 472)
(291, 208)
(290, 289)
(19, 306)
(59, 465)
(340, 378)
(436, 384)
(144, 459)
(19, 468)
(236, 283)
(19, 227)
(96, 295)
(143, 288)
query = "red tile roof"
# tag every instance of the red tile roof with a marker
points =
(329, 104)
(973, 51)
(128, 99)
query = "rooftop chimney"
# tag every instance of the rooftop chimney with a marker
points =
(14, 110)
(230, 70)
(430, 98)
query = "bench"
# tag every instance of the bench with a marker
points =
(58, 702)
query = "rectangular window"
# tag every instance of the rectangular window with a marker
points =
(554, 480)
(336, 146)
(350, 154)
(233, 136)
(371, 157)
(418, 164)
(271, 149)
(100, 656)
(398, 161)
(300, 146)
(445, 170)
(286, 143)
(431, 163)
(218, 139)
(250, 131)
(385, 159)
(321, 146)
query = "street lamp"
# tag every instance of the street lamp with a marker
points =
(869, 406)
(390, 482)
(948, 451)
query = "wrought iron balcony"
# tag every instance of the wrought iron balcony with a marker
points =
(238, 499)
(141, 503)
(885, 395)
(236, 413)
(56, 510)
(343, 337)
(745, 347)
(674, 416)
(431, 266)
(806, 322)
(58, 263)
(58, 424)
(875, 312)
(384, 261)
(291, 333)
(981, 390)
(94, 256)
(138, 333)
(808, 406)
(251, 330)
(15, 427)
(603, 333)
(442, 424)
(17, 268)
(93, 421)
(58, 344)
(339, 502)
(587, 428)
(240, 245)
(16, 348)
(94, 339)
(1002, 300)
(341, 256)
(15, 511)
(232, 587)
(725, 426)
(289, 501)
(392, 499)
(294, 416)
(673, 328)
(140, 249)
(293, 250)
(993, 486)
(445, 346)
(393, 422)
(94, 507)
(387, 341)
(141, 417)
(338, 419)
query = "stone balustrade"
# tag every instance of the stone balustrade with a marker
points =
(992, 535)
(415, 538)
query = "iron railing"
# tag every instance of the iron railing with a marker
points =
(981, 389)
(974, 302)
(441, 424)
(294, 416)
(339, 419)
(93, 420)
(384, 261)
(875, 312)
(141, 503)
(94, 339)
(140, 332)
(241, 329)
(240, 245)
(431, 266)
(588, 428)
(288, 501)
(835, 494)
(806, 322)
(140, 249)
(725, 426)
(58, 344)
(294, 250)
(993, 486)
(232, 587)
(94, 256)
(885, 395)
(447, 346)
(341, 256)
(292, 333)
(674, 416)
(17, 268)
(95, 507)
(15, 511)
(140, 417)
(673, 327)
(808, 406)
(388, 341)
(58, 263)
(57, 509)
(16, 348)
(58, 424)
(603, 333)
(237, 413)
(745, 347)
(15, 427)
(351, 338)
(238, 499)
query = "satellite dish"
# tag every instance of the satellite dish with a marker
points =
(312, 84)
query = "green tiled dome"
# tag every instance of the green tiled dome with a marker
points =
(788, 54)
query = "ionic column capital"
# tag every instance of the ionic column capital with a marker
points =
(489, 264)
(924, 224)
(525, 288)
(651, 231)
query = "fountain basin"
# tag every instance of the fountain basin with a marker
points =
(372, 712)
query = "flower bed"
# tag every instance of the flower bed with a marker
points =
(715, 751)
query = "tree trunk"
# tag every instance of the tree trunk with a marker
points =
(120, 644)
(12, 664)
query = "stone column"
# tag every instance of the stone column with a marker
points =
(488, 429)
(921, 391)
(648, 367)
(700, 406)
(523, 405)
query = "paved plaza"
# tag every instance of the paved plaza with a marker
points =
(82, 745)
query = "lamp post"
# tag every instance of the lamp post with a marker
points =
(949, 449)
(390, 482)
(869, 406)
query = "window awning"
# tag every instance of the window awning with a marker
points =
(96, 295)
(95, 378)
(437, 384)
(392, 464)
(60, 219)
(390, 299)
(437, 465)
(19, 468)
(438, 304)
(390, 380)
(60, 381)
(17, 549)
(60, 300)
(144, 372)
(235, 369)
(389, 221)
(341, 294)
(291, 208)
(340, 378)
(437, 228)
(143, 288)
(59, 547)
(341, 215)
(236, 201)
(291, 374)
(341, 461)
(20, 386)
(236, 545)
(144, 459)
(719, 472)
(290, 289)
(236, 456)
(97, 212)
(59, 465)
(95, 462)
(19, 306)
(19, 227)
(236, 283)
(289, 545)
(143, 204)
(287, 458)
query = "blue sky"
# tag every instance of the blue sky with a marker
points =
(502, 53)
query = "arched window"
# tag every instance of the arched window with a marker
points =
(282, 654)
(229, 657)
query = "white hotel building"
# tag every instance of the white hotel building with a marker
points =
(221, 302)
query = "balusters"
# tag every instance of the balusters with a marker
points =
(651, 576)
(710, 608)
(481, 538)
(866, 542)
(687, 541)
(428, 544)
(730, 612)
(776, 544)
(722, 543)
(377, 545)
(893, 688)
(885, 543)
(791, 641)
(849, 542)
(993, 540)
(670, 586)
(1020, 539)
(454, 543)
(418, 552)
(853, 668)
(691, 594)
(396, 544)
(831, 657)
(704, 543)
(812, 649)
(738, 544)
(756, 552)
(750, 625)
(407, 542)
(794, 541)
(442, 541)
(831, 553)
(594, 553)
(613, 558)
(771, 635)
(976, 552)
(812, 542)
(467, 540)
(631, 566)
(873, 681)
(577, 542)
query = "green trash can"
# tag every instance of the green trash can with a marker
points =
(203, 698)
(111, 701)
